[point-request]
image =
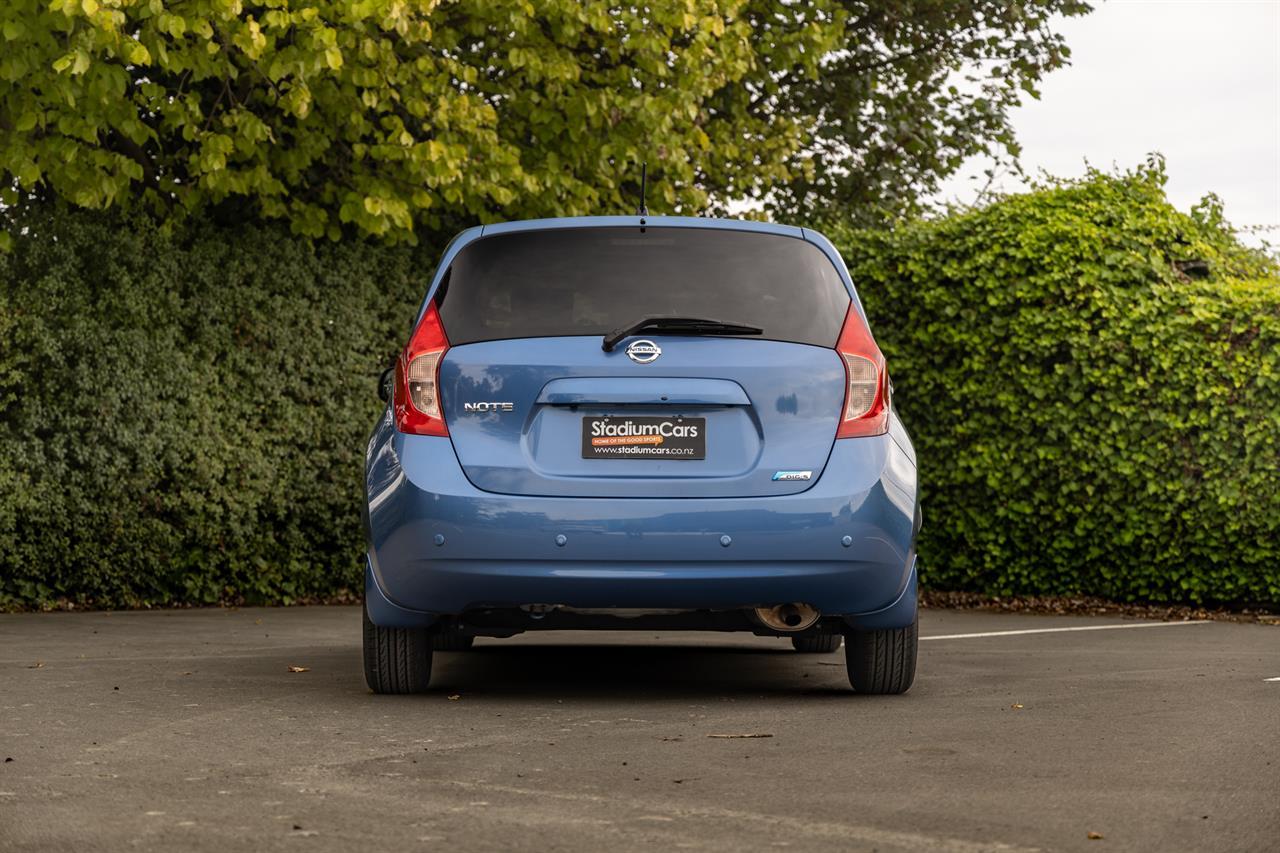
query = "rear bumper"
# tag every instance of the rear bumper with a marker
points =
(440, 546)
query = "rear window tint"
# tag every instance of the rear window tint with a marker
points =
(590, 281)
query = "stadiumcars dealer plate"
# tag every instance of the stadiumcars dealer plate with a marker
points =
(626, 437)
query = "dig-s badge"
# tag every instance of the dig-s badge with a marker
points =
(792, 475)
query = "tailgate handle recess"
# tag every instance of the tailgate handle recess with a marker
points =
(650, 390)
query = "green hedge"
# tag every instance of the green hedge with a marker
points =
(183, 419)
(1089, 420)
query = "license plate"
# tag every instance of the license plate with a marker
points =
(616, 437)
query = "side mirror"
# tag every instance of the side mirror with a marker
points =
(384, 384)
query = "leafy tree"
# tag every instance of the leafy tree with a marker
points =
(383, 115)
(918, 87)
(380, 113)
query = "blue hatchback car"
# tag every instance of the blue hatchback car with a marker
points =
(644, 423)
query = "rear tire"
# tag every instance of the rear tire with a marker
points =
(448, 636)
(396, 660)
(816, 644)
(884, 661)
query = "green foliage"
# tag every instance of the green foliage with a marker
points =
(182, 418)
(382, 116)
(183, 412)
(919, 86)
(1088, 419)
(378, 114)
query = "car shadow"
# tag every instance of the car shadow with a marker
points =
(669, 671)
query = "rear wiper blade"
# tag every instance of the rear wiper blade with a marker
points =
(683, 325)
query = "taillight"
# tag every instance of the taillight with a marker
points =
(416, 399)
(866, 395)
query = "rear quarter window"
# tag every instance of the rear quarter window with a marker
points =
(590, 281)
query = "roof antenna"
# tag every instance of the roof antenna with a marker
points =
(644, 179)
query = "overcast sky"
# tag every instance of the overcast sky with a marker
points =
(1197, 80)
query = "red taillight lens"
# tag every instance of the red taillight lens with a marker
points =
(416, 398)
(866, 394)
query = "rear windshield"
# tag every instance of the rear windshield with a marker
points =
(590, 281)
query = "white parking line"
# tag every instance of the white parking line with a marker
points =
(1065, 630)
(1271, 679)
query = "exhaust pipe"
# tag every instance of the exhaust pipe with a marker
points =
(787, 617)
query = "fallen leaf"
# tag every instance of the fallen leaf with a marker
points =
(299, 669)
(749, 734)
(8, 760)
(37, 665)
(454, 697)
(1017, 706)
(1094, 836)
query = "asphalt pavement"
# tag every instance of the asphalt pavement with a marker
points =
(187, 730)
